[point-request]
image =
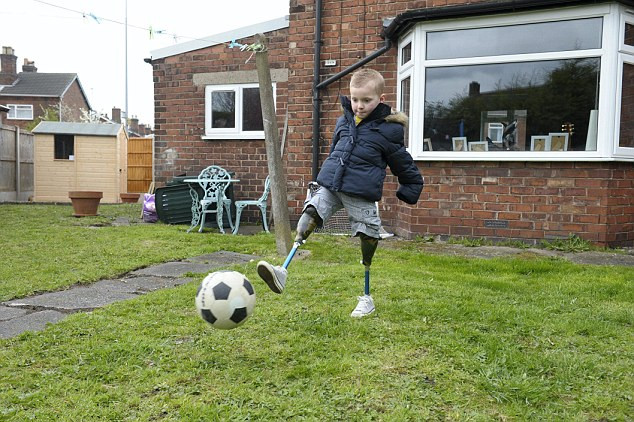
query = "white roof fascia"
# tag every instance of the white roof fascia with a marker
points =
(224, 37)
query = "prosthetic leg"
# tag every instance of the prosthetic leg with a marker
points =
(366, 304)
(275, 276)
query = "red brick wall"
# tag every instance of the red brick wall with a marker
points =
(179, 122)
(537, 200)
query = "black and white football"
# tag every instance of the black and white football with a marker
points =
(225, 299)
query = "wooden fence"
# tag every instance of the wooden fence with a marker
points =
(140, 158)
(16, 164)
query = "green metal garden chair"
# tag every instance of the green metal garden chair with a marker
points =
(214, 181)
(260, 203)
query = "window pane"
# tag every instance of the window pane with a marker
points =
(251, 109)
(64, 146)
(581, 34)
(629, 34)
(626, 136)
(223, 109)
(25, 113)
(405, 102)
(406, 53)
(522, 100)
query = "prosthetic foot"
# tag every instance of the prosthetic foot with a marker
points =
(275, 276)
(364, 308)
(366, 305)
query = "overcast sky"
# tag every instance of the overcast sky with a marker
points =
(87, 37)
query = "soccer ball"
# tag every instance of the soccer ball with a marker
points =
(225, 299)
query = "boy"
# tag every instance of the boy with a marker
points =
(367, 138)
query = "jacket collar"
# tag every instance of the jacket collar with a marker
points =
(380, 112)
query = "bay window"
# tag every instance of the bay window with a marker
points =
(530, 86)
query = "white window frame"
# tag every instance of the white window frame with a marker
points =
(407, 71)
(14, 108)
(230, 133)
(626, 56)
(610, 69)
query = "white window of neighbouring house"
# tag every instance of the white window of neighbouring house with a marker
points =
(20, 111)
(527, 86)
(233, 112)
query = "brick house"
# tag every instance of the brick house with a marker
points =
(29, 93)
(521, 115)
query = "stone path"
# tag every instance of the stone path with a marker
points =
(33, 313)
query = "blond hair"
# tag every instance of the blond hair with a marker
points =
(365, 76)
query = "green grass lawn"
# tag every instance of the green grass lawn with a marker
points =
(452, 338)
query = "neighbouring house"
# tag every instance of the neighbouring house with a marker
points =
(79, 156)
(29, 93)
(521, 115)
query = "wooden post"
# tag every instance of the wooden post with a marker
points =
(279, 195)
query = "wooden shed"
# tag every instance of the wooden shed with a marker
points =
(72, 156)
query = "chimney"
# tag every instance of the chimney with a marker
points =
(116, 114)
(8, 66)
(29, 66)
(134, 124)
(474, 88)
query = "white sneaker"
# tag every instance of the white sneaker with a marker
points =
(364, 307)
(384, 234)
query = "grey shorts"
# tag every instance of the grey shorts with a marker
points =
(362, 214)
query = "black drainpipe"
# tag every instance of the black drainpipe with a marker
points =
(316, 75)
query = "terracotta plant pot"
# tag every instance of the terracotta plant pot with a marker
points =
(130, 198)
(85, 203)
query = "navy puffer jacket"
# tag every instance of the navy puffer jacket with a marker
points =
(359, 155)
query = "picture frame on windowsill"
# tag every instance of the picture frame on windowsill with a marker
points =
(478, 146)
(558, 141)
(540, 143)
(459, 143)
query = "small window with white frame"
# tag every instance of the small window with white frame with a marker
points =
(406, 67)
(535, 85)
(233, 112)
(20, 111)
(625, 89)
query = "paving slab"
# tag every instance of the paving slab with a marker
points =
(72, 300)
(34, 321)
(199, 264)
(141, 284)
(7, 312)
(222, 258)
(173, 269)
